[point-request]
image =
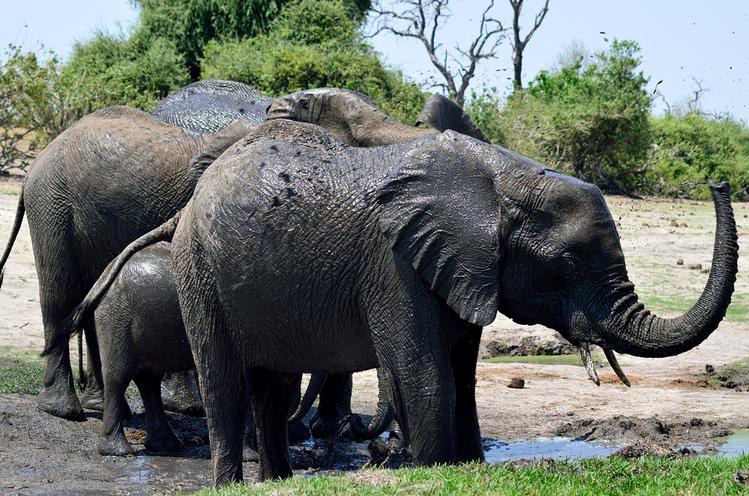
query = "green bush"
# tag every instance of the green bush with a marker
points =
(692, 148)
(591, 121)
(312, 45)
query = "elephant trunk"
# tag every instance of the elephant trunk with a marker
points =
(383, 417)
(314, 387)
(634, 330)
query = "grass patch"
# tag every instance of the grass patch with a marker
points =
(602, 476)
(20, 371)
(545, 359)
(10, 189)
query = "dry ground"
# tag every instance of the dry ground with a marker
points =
(655, 234)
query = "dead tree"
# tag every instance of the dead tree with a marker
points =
(518, 43)
(421, 20)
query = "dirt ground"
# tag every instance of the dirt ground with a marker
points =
(40, 454)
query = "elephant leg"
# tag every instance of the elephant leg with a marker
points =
(93, 395)
(334, 405)
(159, 434)
(249, 450)
(463, 360)
(423, 392)
(180, 394)
(273, 396)
(113, 441)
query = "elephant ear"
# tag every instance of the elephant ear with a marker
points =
(441, 212)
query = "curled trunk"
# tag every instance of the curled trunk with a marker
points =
(636, 331)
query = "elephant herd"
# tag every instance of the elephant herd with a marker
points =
(256, 240)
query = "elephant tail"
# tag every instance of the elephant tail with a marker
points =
(383, 417)
(20, 211)
(73, 322)
(314, 387)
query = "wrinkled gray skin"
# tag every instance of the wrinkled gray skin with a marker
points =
(111, 177)
(141, 337)
(354, 119)
(396, 256)
(205, 106)
(212, 104)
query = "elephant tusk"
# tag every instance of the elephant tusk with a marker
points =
(588, 362)
(611, 357)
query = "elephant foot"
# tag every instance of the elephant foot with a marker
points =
(249, 454)
(93, 399)
(115, 446)
(164, 440)
(298, 432)
(63, 404)
(179, 394)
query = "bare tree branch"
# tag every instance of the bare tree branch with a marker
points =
(422, 20)
(518, 43)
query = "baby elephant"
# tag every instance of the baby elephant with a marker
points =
(141, 338)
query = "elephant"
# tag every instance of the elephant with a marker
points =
(103, 182)
(141, 337)
(396, 256)
(112, 176)
(354, 119)
(210, 105)
(393, 263)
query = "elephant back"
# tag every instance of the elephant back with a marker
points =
(211, 104)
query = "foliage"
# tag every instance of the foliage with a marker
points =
(189, 25)
(34, 106)
(591, 121)
(109, 70)
(612, 475)
(693, 148)
(484, 111)
(310, 45)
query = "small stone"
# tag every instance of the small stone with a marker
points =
(674, 223)
(706, 270)
(742, 476)
(694, 266)
(516, 383)
(680, 261)
(709, 369)
(683, 224)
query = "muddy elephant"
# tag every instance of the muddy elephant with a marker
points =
(106, 180)
(397, 256)
(354, 119)
(210, 105)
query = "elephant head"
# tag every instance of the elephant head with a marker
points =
(490, 230)
(354, 119)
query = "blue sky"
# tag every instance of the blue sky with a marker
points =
(680, 39)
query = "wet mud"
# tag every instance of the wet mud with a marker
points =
(43, 455)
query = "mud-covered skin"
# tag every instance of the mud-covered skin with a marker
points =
(397, 256)
(211, 104)
(141, 337)
(443, 114)
(354, 119)
(111, 177)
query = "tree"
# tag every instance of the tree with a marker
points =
(422, 19)
(591, 121)
(189, 25)
(309, 45)
(518, 43)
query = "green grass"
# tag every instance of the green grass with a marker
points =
(544, 359)
(595, 477)
(21, 371)
(10, 189)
